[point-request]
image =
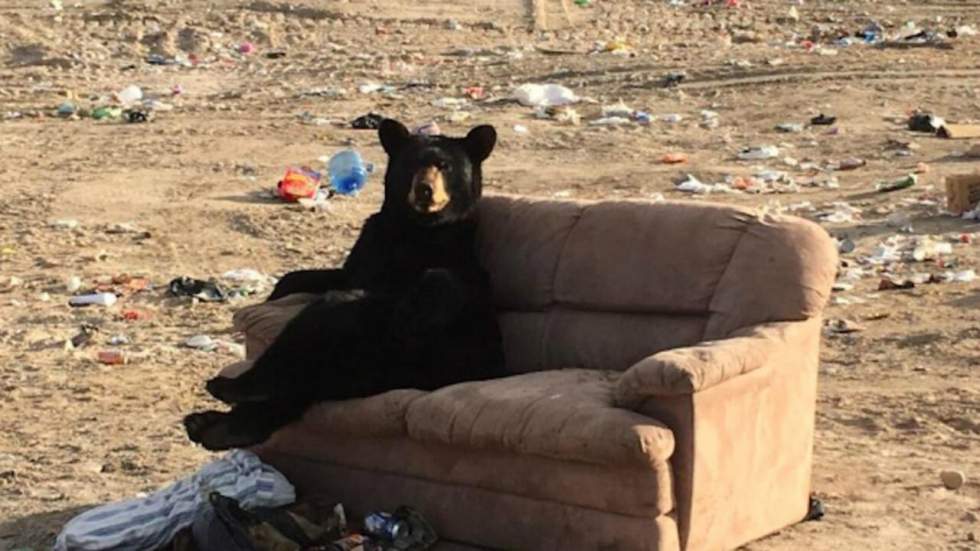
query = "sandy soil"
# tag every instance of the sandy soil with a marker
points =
(899, 401)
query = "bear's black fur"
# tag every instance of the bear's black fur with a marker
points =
(411, 307)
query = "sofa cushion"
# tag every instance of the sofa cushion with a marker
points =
(379, 415)
(537, 341)
(564, 414)
(263, 322)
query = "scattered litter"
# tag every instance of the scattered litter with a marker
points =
(405, 528)
(129, 95)
(620, 110)
(99, 299)
(964, 276)
(474, 92)
(790, 127)
(607, 121)
(454, 104)
(925, 122)
(371, 121)
(67, 109)
(823, 120)
(111, 357)
(118, 340)
(520, 129)
(672, 118)
(842, 213)
(642, 118)
(73, 284)
(151, 522)
(672, 79)
(84, 335)
(692, 185)
(246, 282)
(137, 116)
(207, 291)
(846, 245)
(710, 119)
(898, 220)
(133, 315)
(891, 284)
(842, 326)
(428, 129)
(348, 172)
(66, 224)
(544, 95)
(895, 185)
(246, 48)
(564, 114)
(963, 193)
(674, 158)
(760, 153)
(201, 342)
(959, 131)
(298, 183)
(373, 87)
(848, 164)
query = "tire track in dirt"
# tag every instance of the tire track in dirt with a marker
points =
(793, 77)
(715, 79)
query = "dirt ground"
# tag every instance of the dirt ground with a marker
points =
(186, 194)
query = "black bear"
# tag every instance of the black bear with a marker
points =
(411, 307)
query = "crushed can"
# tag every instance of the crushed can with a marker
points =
(385, 526)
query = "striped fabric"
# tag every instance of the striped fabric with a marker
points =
(150, 522)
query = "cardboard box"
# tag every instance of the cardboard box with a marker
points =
(962, 192)
(960, 131)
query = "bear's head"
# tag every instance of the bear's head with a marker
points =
(433, 180)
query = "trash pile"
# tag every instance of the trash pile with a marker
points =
(237, 503)
(131, 105)
(120, 295)
(901, 262)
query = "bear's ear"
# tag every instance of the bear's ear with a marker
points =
(394, 136)
(479, 142)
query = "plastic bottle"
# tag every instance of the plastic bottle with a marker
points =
(101, 299)
(347, 171)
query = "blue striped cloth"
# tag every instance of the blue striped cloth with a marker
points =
(153, 521)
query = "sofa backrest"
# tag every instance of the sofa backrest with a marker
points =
(603, 285)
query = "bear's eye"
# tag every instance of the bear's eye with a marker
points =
(443, 166)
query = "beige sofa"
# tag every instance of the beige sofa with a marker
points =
(665, 367)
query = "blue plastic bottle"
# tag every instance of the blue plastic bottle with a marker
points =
(347, 171)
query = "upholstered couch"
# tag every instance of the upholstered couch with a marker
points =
(665, 368)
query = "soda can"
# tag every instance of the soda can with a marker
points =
(385, 526)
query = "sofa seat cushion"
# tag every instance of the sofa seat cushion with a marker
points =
(564, 414)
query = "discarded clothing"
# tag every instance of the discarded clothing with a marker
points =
(151, 522)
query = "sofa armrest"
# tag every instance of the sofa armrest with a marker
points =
(696, 368)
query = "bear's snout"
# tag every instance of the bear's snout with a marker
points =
(428, 193)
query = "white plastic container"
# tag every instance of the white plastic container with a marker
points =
(99, 299)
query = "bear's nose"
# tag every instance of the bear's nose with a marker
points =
(423, 193)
